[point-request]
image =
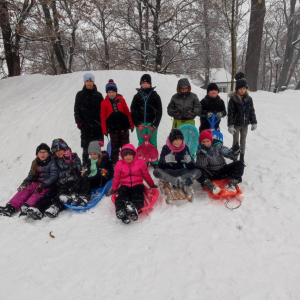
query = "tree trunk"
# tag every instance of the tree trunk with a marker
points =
(233, 43)
(206, 44)
(258, 11)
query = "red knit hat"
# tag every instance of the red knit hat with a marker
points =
(205, 134)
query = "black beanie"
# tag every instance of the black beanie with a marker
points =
(42, 146)
(146, 78)
(175, 134)
(240, 81)
(212, 87)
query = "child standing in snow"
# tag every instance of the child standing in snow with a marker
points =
(175, 163)
(146, 110)
(184, 105)
(87, 114)
(43, 173)
(115, 119)
(100, 168)
(69, 188)
(128, 182)
(211, 104)
(241, 113)
(211, 162)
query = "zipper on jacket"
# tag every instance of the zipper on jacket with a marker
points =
(41, 173)
(130, 175)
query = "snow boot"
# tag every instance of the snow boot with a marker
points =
(125, 220)
(212, 188)
(232, 183)
(24, 209)
(242, 156)
(187, 191)
(131, 211)
(121, 213)
(65, 199)
(34, 213)
(52, 211)
(7, 211)
(84, 200)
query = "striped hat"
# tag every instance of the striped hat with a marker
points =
(111, 86)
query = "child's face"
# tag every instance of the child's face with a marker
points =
(128, 158)
(89, 84)
(94, 155)
(242, 91)
(111, 94)
(60, 153)
(42, 155)
(177, 143)
(145, 85)
(213, 94)
(184, 89)
(206, 142)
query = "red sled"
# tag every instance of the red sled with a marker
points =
(147, 151)
(150, 198)
(224, 193)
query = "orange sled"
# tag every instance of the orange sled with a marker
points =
(223, 193)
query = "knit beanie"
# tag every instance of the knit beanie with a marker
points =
(59, 144)
(127, 151)
(212, 87)
(42, 146)
(205, 134)
(175, 134)
(146, 78)
(240, 81)
(88, 76)
(111, 86)
(95, 147)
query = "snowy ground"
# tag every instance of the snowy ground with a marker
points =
(198, 250)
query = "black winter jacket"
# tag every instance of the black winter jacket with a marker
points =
(47, 172)
(213, 105)
(241, 113)
(87, 112)
(146, 107)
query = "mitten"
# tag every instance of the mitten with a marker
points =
(203, 151)
(253, 127)
(176, 114)
(154, 186)
(25, 185)
(235, 149)
(170, 158)
(231, 129)
(79, 126)
(110, 193)
(191, 115)
(209, 114)
(219, 115)
(40, 188)
(186, 158)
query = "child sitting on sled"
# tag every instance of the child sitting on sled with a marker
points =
(43, 173)
(211, 162)
(130, 172)
(175, 163)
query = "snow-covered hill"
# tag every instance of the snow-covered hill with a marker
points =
(198, 250)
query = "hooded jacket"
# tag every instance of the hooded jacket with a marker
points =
(131, 174)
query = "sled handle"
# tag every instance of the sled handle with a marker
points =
(212, 122)
(148, 135)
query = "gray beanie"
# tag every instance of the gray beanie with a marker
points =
(94, 147)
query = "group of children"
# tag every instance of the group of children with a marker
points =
(55, 176)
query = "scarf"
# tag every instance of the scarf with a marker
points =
(174, 149)
(93, 167)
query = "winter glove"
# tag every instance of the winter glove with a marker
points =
(154, 186)
(219, 115)
(176, 114)
(79, 126)
(186, 158)
(104, 172)
(191, 115)
(25, 185)
(253, 127)
(170, 158)
(131, 129)
(231, 129)
(40, 188)
(209, 114)
(110, 193)
(203, 151)
(235, 149)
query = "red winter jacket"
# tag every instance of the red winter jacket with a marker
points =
(131, 174)
(113, 121)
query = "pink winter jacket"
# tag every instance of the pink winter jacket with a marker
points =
(131, 174)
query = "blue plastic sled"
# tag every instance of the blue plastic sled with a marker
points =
(217, 135)
(96, 196)
(191, 137)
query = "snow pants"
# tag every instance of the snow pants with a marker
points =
(28, 196)
(178, 123)
(134, 194)
(240, 137)
(118, 140)
(234, 170)
(152, 140)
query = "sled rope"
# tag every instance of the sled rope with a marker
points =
(232, 208)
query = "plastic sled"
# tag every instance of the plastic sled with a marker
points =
(96, 196)
(191, 137)
(147, 151)
(150, 198)
(224, 193)
(108, 148)
(217, 135)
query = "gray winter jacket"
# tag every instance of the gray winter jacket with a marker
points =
(214, 160)
(47, 172)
